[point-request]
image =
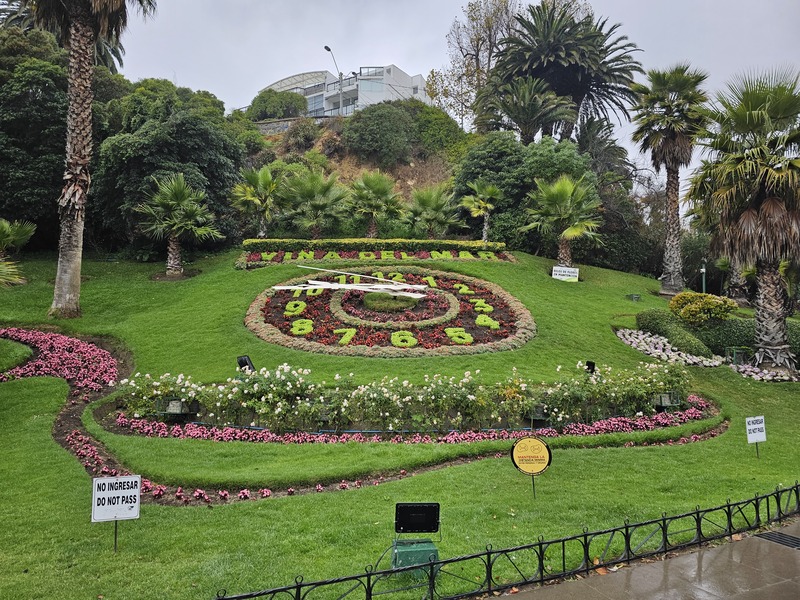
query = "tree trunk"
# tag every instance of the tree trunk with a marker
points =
(485, 236)
(737, 284)
(372, 228)
(174, 263)
(72, 202)
(772, 336)
(564, 252)
(672, 277)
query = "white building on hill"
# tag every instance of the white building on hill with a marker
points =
(328, 96)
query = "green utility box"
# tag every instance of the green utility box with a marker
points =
(410, 553)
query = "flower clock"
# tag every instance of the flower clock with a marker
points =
(399, 311)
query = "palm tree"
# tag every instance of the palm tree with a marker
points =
(595, 137)
(526, 105)
(373, 197)
(79, 23)
(19, 13)
(579, 58)
(479, 204)
(259, 193)
(317, 202)
(176, 212)
(668, 118)
(753, 142)
(432, 212)
(567, 208)
(13, 235)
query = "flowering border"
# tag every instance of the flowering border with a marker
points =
(250, 259)
(526, 326)
(82, 364)
(197, 431)
(660, 348)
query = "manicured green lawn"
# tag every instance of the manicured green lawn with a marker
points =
(49, 547)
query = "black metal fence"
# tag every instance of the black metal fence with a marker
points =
(546, 560)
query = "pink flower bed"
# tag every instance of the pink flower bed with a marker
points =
(82, 364)
(195, 431)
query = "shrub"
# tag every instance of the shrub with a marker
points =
(301, 135)
(664, 323)
(609, 393)
(694, 308)
(381, 133)
(740, 332)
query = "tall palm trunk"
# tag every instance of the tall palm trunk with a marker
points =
(672, 276)
(772, 337)
(72, 202)
(174, 262)
(485, 236)
(564, 252)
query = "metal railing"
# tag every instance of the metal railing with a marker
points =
(547, 560)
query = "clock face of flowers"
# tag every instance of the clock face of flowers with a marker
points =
(457, 315)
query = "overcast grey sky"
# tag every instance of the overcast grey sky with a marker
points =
(234, 48)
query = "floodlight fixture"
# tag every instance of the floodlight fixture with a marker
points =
(244, 363)
(590, 366)
(416, 517)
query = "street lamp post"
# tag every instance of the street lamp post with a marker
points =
(703, 273)
(341, 106)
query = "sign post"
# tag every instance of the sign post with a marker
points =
(756, 431)
(116, 499)
(531, 455)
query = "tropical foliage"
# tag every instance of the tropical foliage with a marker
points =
(582, 59)
(176, 212)
(373, 198)
(567, 208)
(751, 181)
(668, 118)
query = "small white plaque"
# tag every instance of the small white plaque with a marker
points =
(116, 498)
(756, 430)
(565, 273)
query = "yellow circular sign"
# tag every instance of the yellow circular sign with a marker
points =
(531, 455)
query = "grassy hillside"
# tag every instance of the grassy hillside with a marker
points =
(49, 548)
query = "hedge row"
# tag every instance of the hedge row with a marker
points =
(662, 322)
(740, 332)
(368, 245)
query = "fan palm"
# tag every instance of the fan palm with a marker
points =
(13, 235)
(479, 204)
(567, 208)
(373, 197)
(432, 212)
(259, 193)
(176, 212)
(753, 168)
(78, 24)
(668, 118)
(317, 202)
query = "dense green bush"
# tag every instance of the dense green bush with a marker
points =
(368, 245)
(436, 130)
(301, 135)
(662, 322)
(695, 309)
(740, 332)
(270, 104)
(381, 133)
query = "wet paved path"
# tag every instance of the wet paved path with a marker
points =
(751, 569)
